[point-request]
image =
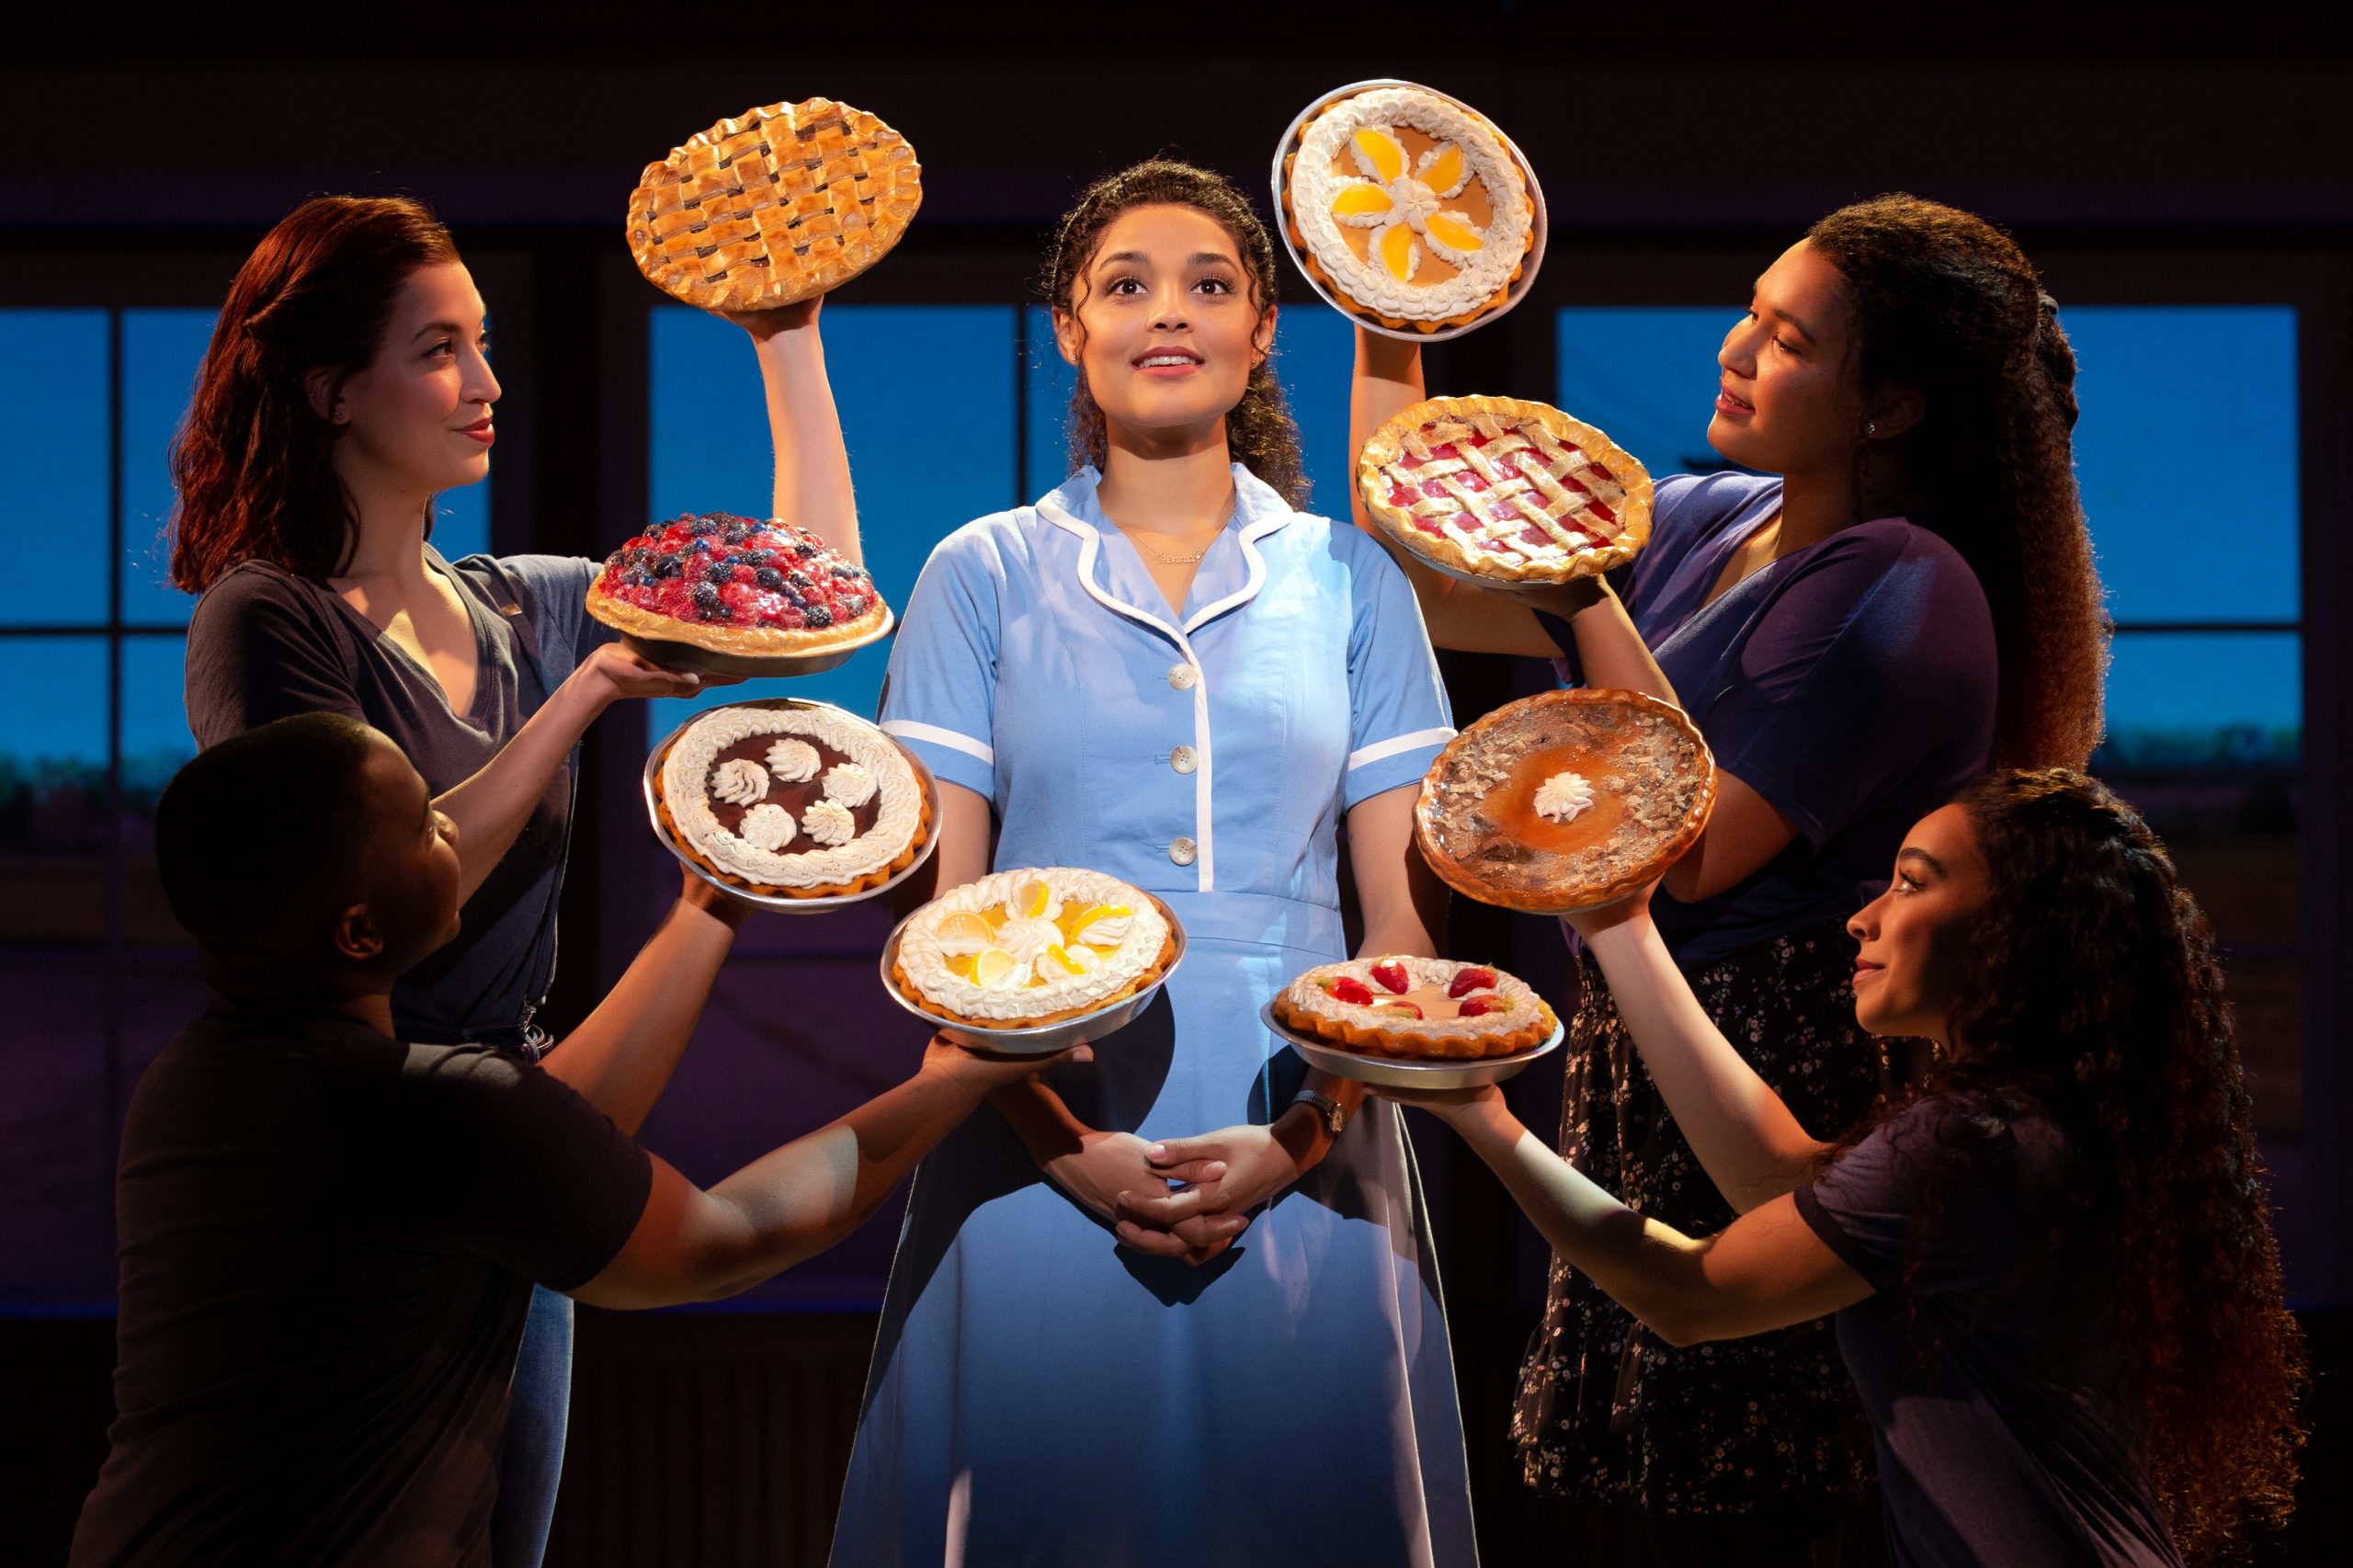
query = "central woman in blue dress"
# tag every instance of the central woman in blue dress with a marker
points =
(1164, 672)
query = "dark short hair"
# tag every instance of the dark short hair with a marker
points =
(264, 834)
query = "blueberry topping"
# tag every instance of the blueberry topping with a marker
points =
(705, 596)
(819, 615)
(720, 574)
(799, 578)
(769, 577)
(667, 566)
(704, 526)
(849, 574)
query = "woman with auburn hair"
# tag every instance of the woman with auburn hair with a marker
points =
(1897, 594)
(1164, 670)
(347, 384)
(2053, 1275)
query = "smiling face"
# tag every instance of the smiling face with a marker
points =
(1915, 936)
(1788, 398)
(1163, 327)
(417, 417)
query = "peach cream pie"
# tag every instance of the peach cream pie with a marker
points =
(1409, 207)
(1417, 1006)
(1031, 946)
(797, 801)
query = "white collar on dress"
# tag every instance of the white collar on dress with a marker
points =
(1257, 512)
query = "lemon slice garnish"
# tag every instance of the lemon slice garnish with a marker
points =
(960, 966)
(994, 966)
(1359, 201)
(966, 926)
(1075, 926)
(1030, 900)
(1061, 957)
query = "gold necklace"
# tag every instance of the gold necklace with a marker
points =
(1191, 559)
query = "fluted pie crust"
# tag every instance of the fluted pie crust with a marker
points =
(1150, 975)
(776, 205)
(1653, 785)
(994, 913)
(1522, 1022)
(749, 642)
(1539, 467)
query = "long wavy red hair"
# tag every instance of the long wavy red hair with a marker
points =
(254, 464)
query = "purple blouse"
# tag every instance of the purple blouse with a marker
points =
(1980, 1359)
(1850, 683)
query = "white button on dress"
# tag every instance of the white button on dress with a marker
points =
(1183, 850)
(1184, 678)
(1183, 760)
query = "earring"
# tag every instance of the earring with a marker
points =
(1870, 428)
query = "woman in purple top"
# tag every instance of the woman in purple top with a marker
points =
(2055, 1286)
(1899, 593)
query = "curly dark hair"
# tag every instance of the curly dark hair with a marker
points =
(1948, 304)
(2092, 997)
(254, 461)
(1259, 430)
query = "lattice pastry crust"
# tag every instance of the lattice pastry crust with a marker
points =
(1499, 487)
(778, 204)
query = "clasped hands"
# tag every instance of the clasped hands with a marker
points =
(1185, 1197)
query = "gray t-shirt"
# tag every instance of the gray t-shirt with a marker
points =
(264, 643)
(1991, 1395)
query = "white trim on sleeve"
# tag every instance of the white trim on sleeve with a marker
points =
(907, 729)
(1381, 749)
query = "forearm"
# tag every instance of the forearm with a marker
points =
(621, 1059)
(1653, 1270)
(1040, 1119)
(813, 480)
(1610, 653)
(1752, 1148)
(492, 807)
(800, 1199)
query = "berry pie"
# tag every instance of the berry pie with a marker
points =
(1021, 948)
(732, 585)
(1417, 1006)
(1565, 800)
(1492, 487)
(777, 205)
(790, 800)
(1406, 207)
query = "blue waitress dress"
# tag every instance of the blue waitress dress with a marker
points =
(1040, 1395)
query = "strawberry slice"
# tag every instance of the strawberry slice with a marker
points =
(1466, 981)
(1479, 1006)
(1392, 975)
(1391, 1004)
(1348, 988)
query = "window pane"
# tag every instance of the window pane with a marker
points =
(2225, 700)
(2149, 376)
(1315, 356)
(927, 400)
(54, 790)
(155, 742)
(161, 351)
(1646, 377)
(53, 488)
